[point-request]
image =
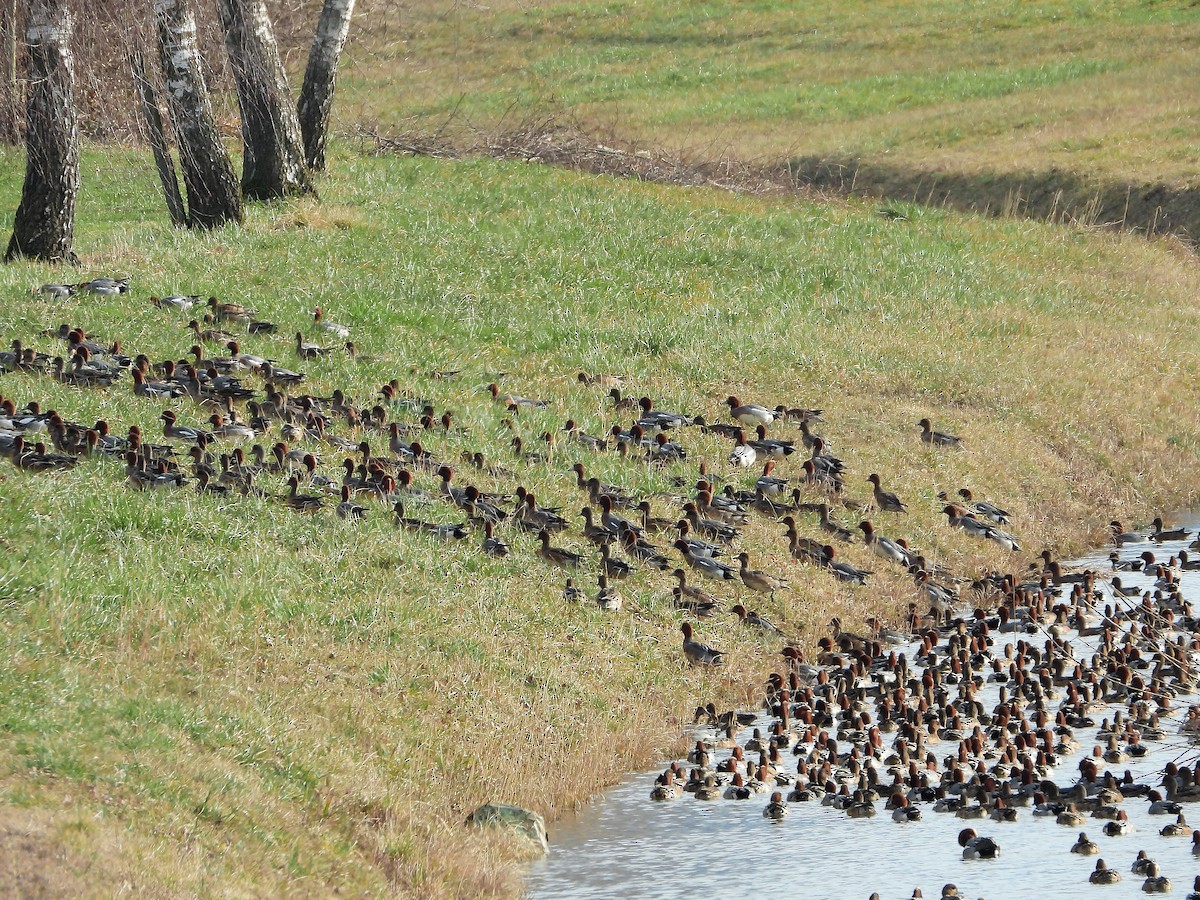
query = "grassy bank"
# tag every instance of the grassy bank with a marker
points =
(1100, 89)
(219, 696)
(1052, 110)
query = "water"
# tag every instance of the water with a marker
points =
(625, 846)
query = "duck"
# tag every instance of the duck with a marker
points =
(693, 593)
(751, 414)
(57, 291)
(492, 545)
(608, 598)
(652, 418)
(644, 553)
(666, 788)
(886, 501)
(594, 532)
(612, 566)
(601, 380)
(509, 401)
(696, 546)
(758, 580)
(884, 547)
(860, 807)
(976, 847)
(755, 620)
(959, 518)
(104, 287)
(1102, 874)
(903, 811)
(579, 436)
(1121, 537)
(532, 517)
(1178, 828)
(1141, 865)
(743, 454)
(699, 654)
(1084, 846)
(652, 524)
(770, 485)
(1156, 883)
(209, 335)
(843, 571)
(1161, 807)
(1160, 533)
(776, 809)
(348, 509)
(1118, 826)
(155, 390)
(306, 350)
(339, 331)
(828, 525)
(1002, 812)
(708, 790)
(737, 789)
(937, 438)
(179, 432)
(983, 508)
(571, 592)
(705, 565)
(557, 556)
(799, 414)
(1071, 817)
(235, 430)
(772, 447)
(1123, 590)
(308, 503)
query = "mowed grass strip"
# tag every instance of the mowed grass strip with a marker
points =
(205, 695)
(1102, 90)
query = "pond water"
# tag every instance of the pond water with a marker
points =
(623, 845)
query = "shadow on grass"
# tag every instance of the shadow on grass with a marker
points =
(1051, 196)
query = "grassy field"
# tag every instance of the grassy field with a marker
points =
(221, 697)
(1102, 90)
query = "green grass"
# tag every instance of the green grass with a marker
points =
(1103, 89)
(219, 695)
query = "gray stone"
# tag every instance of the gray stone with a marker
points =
(504, 815)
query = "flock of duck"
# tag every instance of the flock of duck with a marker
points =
(1023, 631)
(896, 720)
(385, 446)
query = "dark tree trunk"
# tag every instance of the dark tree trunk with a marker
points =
(212, 191)
(316, 96)
(44, 227)
(273, 156)
(158, 139)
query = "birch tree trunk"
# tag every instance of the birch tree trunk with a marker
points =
(316, 95)
(9, 130)
(273, 164)
(212, 190)
(158, 139)
(44, 226)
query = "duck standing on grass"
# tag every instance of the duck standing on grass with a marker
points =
(758, 580)
(937, 438)
(886, 501)
(751, 414)
(699, 654)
